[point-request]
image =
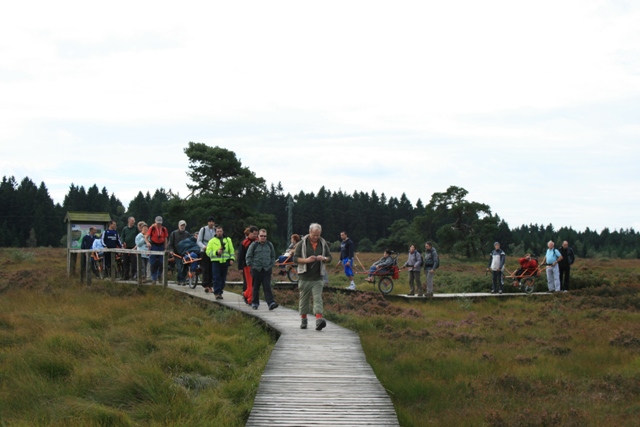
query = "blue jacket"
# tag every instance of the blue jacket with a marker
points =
(111, 239)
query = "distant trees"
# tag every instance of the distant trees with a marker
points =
(221, 186)
(28, 215)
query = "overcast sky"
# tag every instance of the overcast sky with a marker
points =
(533, 107)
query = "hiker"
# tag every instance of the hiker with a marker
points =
(220, 250)
(568, 257)
(175, 238)
(205, 234)
(497, 258)
(251, 235)
(414, 263)
(311, 255)
(111, 240)
(347, 252)
(156, 239)
(87, 243)
(129, 261)
(551, 259)
(431, 263)
(141, 245)
(261, 257)
(381, 266)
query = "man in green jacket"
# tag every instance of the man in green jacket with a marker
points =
(128, 237)
(311, 255)
(261, 257)
(220, 250)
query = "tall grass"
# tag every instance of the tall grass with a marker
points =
(522, 362)
(124, 355)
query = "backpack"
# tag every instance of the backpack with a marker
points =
(396, 272)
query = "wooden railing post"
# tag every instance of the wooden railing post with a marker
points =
(165, 268)
(113, 266)
(139, 268)
(88, 268)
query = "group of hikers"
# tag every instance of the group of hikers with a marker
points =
(309, 255)
(557, 262)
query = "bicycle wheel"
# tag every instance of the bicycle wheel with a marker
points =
(193, 279)
(385, 285)
(292, 273)
(528, 285)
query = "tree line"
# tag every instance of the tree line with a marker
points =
(221, 186)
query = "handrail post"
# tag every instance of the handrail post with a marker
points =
(112, 273)
(88, 268)
(165, 268)
(139, 267)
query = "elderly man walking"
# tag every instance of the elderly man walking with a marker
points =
(552, 258)
(311, 255)
(261, 257)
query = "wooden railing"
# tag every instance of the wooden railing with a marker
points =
(85, 262)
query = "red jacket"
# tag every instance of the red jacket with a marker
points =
(530, 266)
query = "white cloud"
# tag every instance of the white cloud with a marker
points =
(412, 96)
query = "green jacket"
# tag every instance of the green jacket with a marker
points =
(228, 253)
(261, 256)
(128, 236)
(315, 270)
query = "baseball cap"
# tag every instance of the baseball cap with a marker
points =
(182, 222)
(159, 219)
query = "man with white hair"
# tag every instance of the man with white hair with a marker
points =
(311, 255)
(552, 258)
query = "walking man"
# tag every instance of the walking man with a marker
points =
(552, 258)
(261, 257)
(497, 258)
(347, 249)
(311, 255)
(156, 240)
(175, 238)
(431, 263)
(129, 261)
(220, 250)
(568, 257)
(206, 233)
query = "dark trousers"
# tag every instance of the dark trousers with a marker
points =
(129, 263)
(205, 264)
(497, 280)
(261, 277)
(219, 271)
(156, 261)
(565, 277)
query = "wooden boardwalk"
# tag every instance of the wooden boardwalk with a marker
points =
(313, 378)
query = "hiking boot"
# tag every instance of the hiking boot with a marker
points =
(303, 323)
(218, 296)
(320, 324)
(255, 307)
(411, 294)
(273, 306)
(429, 294)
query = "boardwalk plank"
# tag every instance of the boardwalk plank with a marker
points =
(299, 387)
